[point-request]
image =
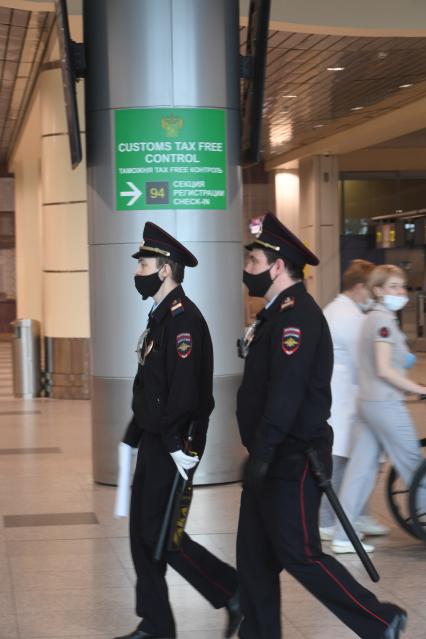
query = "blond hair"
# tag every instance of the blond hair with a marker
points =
(381, 274)
(357, 272)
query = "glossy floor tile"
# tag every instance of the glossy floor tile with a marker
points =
(30, 451)
(49, 519)
(72, 579)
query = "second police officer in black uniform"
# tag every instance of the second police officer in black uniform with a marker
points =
(172, 388)
(282, 410)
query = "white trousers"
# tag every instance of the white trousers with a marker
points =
(387, 427)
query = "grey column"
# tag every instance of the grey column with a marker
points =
(161, 53)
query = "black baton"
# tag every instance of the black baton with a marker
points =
(178, 487)
(325, 484)
(159, 547)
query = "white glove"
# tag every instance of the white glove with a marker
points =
(184, 462)
(122, 496)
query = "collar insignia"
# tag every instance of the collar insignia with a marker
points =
(176, 307)
(288, 302)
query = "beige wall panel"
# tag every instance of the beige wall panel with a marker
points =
(65, 242)
(329, 275)
(307, 235)
(328, 192)
(308, 196)
(287, 199)
(61, 185)
(53, 115)
(28, 240)
(319, 224)
(28, 140)
(53, 118)
(75, 21)
(66, 304)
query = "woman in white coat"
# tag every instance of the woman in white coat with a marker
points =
(345, 316)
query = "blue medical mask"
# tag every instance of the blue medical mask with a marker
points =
(410, 360)
(366, 306)
(395, 302)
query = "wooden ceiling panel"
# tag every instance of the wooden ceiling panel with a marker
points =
(23, 35)
(297, 64)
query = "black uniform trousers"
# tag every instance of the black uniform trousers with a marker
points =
(278, 529)
(214, 579)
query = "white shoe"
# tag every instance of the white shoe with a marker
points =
(326, 533)
(342, 547)
(369, 526)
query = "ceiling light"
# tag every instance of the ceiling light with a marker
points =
(289, 96)
(317, 126)
(358, 108)
(405, 86)
(335, 68)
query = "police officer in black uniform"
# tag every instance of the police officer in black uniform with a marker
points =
(282, 410)
(172, 388)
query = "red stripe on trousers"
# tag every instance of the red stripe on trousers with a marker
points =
(214, 583)
(319, 563)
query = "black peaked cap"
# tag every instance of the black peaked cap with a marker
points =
(275, 237)
(157, 243)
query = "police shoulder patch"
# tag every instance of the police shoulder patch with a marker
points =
(291, 340)
(176, 307)
(288, 302)
(384, 331)
(184, 345)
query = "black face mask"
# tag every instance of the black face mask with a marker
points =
(259, 284)
(148, 285)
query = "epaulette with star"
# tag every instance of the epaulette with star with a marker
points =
(176, 307)
(288, 302)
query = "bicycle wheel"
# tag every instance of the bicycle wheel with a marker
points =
(399, 500)
(417, 501)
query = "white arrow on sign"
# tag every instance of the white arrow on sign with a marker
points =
(134, 194)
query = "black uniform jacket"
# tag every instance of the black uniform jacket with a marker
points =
(174, 385)
(284, 400)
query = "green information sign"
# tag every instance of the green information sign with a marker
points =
(170, 159)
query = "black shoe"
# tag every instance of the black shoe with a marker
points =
(397, 625)
(235, 615)
(141, 634)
